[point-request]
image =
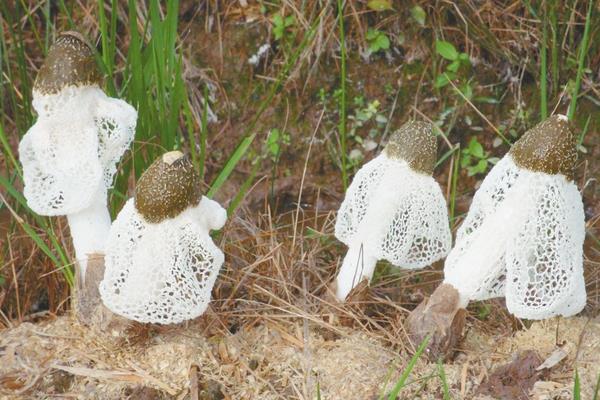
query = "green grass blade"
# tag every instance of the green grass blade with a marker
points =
(7, 151)
(342, 101)
(204, 133)
(446, 155)
(32, 23)
(544, 67)
(454, 184)
(576, 387)
(233, 205)
(406, 373)
(581, 62)
(597, 389)
(555, 45)
(445, 387)
(584, 131)
(230, 165)
(248, 137)
(66, 12)
(43, 224)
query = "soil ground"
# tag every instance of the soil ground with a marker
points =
(59, 358)
(272, 331)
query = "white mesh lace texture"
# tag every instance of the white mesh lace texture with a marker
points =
(69, 154)
(160, 273)
(395, 213)
(522, 239)
(357, 198)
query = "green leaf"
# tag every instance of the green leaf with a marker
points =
(453, 66)
(481, 166)
(383, 42)
(273, 142)
(446, 50)
(487, 100)
(467, 91)
(465, 160)
(475, 148)
(278, 26)
(372, 34)
(418, 15)
(289, 21)
(377, 40)
(442, 80)
(379, 5)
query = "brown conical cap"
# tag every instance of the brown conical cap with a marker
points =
(169, 186)
(70, 62)
(548, 147)
(416, 144)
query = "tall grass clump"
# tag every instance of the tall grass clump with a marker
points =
(139, 54)
(15, 108)
(151, 80)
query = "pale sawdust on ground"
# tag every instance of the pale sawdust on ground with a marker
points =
(273, 361)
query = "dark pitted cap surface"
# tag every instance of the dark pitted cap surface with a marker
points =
(70, 62)
(547, 147)
(169, 186)
(414, 143)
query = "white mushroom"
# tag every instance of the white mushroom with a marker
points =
(161, 262)
(523, 236)
(394, 209)
(69, 155)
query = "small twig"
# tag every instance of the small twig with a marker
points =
(312, 139)
(477, 110)
(194, 382)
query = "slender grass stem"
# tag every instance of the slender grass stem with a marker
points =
(342, 101)
(554, 55)
(454, 183)
(445, 387)
(581, 63)
(204, 132)
(543, 66)
(406, 373)
(576, 387)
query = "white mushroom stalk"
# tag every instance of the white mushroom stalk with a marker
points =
(161, 262)
(523, 236)
(69, 155)
(394, 210)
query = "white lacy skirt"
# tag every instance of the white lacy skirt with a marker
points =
(160, 273)
(523, 240)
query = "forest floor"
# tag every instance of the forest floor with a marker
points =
(273, 330)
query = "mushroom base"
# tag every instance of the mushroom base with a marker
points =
(442, 319)
(358, 264)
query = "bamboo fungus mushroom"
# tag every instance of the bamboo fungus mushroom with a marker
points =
(523, 236)
(69, 155)
(161, 263)
(394, 209)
